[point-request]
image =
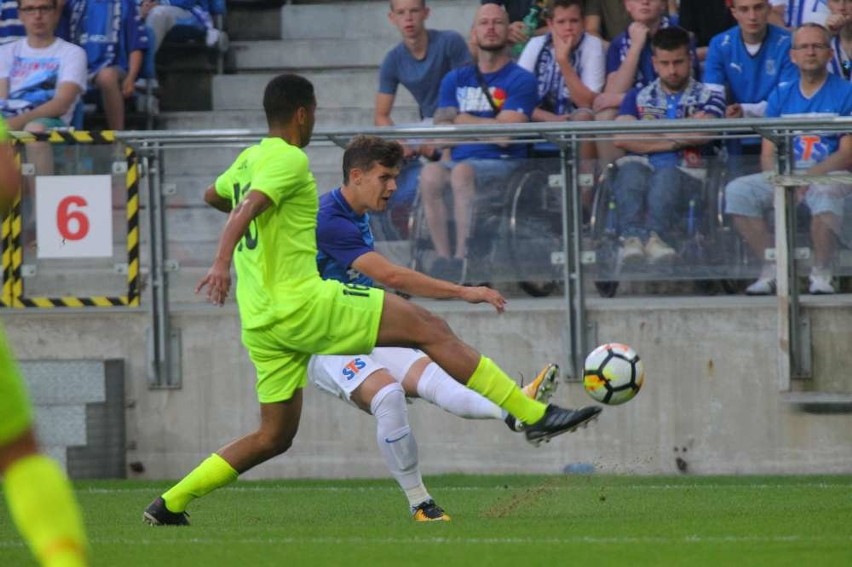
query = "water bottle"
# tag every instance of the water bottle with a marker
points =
(530, 24)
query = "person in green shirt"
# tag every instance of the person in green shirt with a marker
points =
(39, 496)
(288, 312)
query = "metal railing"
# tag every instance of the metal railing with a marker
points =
(153, 147)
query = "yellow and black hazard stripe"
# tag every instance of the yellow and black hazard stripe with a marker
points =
(132, 183)
(69, 137)
(13, 253)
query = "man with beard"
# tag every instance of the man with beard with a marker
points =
(653, 180)
(493, 91)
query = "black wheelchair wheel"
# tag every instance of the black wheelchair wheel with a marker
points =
(534, 212)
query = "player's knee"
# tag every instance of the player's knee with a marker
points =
(272, 445)
(433, 328)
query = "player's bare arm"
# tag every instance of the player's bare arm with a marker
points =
(212, 198)
(382, 270)
(218, 278)
(10, 177)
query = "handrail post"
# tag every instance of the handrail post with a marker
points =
(572, 240)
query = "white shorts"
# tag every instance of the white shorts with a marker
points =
(341, 375)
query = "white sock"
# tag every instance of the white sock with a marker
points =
(396, 441)
(439, 388)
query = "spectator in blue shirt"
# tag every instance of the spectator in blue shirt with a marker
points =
(747, 199)
(746, 63)
(494, 91)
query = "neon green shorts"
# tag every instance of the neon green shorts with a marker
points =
(332, 318)
(15, 412)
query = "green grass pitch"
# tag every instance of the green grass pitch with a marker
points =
(497, 520)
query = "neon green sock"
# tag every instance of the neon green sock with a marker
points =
(43, 507)
(490, 381)
(213, 472)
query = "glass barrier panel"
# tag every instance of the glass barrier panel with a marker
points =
(74, 220)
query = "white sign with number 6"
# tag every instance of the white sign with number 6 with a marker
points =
(74, 216)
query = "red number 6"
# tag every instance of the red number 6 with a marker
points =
(65, 216)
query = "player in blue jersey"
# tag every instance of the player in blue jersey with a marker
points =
(815, 92)
(113, 35)
(379, 382)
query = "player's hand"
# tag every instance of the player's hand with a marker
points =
(218, 283)
(638, 33)
(734, 111)
(482, 294)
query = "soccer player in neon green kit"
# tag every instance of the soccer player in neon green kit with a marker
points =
(37, 491)
(288, 312)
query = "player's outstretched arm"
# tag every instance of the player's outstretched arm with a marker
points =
(218, 278)
(385, 272)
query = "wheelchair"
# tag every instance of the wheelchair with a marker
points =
(703, 239)
(515, 233)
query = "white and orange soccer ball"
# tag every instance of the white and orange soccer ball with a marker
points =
(613, 374)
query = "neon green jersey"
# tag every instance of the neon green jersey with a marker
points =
(276, 259)
(4, 130)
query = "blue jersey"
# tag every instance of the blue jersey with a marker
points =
(108, 30)
(511, 87)
(645, 73)
(749, 78)
(834, 98)
(342, 237)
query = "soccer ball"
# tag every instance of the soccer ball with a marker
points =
(613, 373)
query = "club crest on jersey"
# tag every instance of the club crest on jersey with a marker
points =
(771, 68)
(352, 368)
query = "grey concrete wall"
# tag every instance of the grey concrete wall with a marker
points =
(710, 396)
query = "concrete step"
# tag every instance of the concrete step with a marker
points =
(293, 54)
(354, 88)
(344, 20)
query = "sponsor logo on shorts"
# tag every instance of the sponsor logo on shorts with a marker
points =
(353, 367)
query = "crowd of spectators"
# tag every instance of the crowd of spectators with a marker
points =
(634, 60)
(52, 52)
(524, 60)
